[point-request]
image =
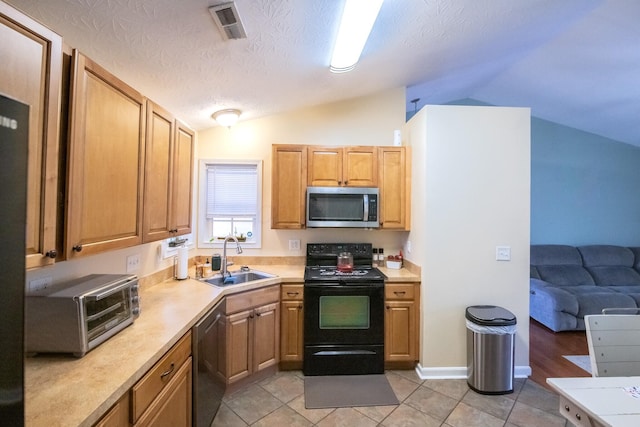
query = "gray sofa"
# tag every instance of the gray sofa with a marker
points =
(569, 282)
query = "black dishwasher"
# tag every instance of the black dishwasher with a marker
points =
(208, 352)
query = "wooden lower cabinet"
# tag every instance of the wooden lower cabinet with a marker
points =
(172, 407)
(401, 317)
(291, 326)
(118, 415)
(162, 397)
(252, 336)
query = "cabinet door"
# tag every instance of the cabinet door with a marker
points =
(172, 408)
(394, 188)
(239, 346)
(400, 324)
(182, 179)
(266, 333)
(288, 186)
(325, 166)
(291, 327)
(118, 416)
(158, 173)
(360, 167)
(106, 159)
(32, 73)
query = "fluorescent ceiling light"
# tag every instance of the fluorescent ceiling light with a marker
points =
(227, 117)
(358, 17)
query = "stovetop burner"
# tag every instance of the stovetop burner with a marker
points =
(322, 262)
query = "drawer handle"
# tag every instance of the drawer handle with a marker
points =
(399, 293)
(292, 294)
(168, 372)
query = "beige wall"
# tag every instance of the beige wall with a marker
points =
(471, 193)
(368, 120)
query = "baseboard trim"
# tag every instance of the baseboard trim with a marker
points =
(456, 372)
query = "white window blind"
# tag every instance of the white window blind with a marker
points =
(232, 190)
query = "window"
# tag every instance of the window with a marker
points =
(230, 202)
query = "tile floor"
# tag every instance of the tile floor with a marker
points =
(279, 401)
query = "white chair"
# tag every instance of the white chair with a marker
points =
(614, 344)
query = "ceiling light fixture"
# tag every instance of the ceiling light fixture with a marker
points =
(227, 117)
(358, 17)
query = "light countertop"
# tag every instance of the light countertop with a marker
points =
(65, 391)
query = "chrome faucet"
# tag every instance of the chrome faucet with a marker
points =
(223, 261)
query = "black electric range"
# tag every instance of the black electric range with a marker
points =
(343, 312)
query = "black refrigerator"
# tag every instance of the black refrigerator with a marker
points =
(14, 142)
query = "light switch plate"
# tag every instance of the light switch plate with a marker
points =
(294, 245)
(503, 253)
(133, 263)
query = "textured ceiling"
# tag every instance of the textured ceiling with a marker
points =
(574, 62)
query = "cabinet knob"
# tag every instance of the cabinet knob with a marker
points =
(52, 253)
(388, 307)
(77, 248)
(300, 307)
(578, 417)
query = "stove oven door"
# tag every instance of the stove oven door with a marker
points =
(343, 328)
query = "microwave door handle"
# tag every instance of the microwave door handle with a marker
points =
(366, 207)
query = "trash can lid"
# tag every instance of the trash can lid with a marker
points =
(490, 315)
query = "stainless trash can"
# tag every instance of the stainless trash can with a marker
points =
(490, 349)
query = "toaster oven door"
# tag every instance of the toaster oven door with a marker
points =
(107, 312)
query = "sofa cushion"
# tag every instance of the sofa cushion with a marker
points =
(533, 272)
(610, 265)
(636, 254)
(554, 255)
(606, 255)
(632, 291)
(565, 275)
(593, 302)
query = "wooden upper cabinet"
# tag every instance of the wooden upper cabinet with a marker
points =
(160, 134)
(182, 178)
(32, 74)
(347, 166)
(288, 186)
(168, 175)
(105, 161)
(394, 188)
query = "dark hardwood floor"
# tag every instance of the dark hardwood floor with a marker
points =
(546, 349)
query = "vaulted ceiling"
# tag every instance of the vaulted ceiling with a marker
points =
(574, 62)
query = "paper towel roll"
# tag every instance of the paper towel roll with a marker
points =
(182, 270)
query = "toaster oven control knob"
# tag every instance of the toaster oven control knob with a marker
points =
(77, 248)
(136, 311)
(135, 299)
(52, 253)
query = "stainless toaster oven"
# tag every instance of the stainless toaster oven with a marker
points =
(77, 316)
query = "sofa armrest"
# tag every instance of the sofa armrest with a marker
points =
(556, 298)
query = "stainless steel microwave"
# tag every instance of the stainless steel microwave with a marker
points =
(77, 316)
(342, 207)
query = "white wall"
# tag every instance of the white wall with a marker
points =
(471, 192)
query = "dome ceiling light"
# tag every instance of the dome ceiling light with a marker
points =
(227, 117)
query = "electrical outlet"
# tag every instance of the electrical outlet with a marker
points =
(503, 253)
(40, 284)
(294, 245)
(409, 246)
(133, 263)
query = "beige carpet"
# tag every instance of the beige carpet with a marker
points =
(340, 391)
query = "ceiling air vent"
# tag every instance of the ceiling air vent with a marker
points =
(228, 21)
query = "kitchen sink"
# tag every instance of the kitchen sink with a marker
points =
(237, 277)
